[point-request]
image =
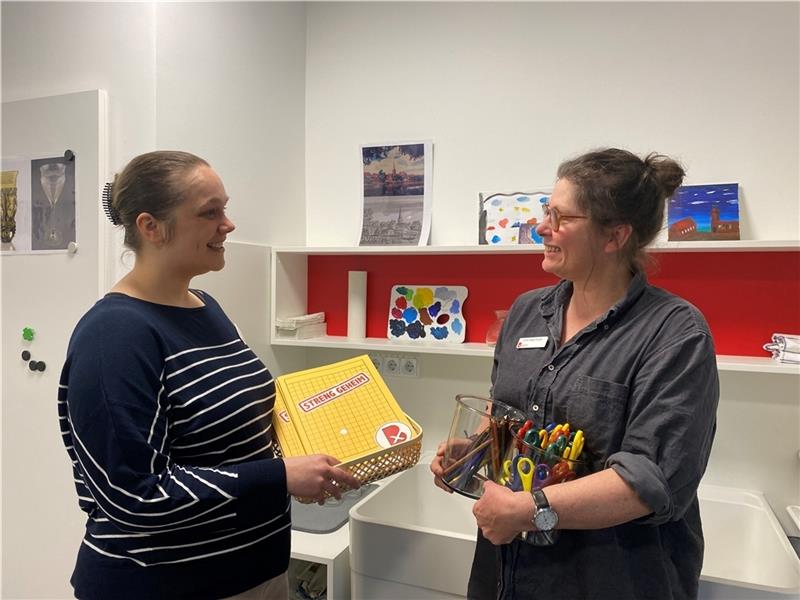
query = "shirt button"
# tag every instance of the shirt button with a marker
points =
(535, 407)
(605, 327)
(550, 367)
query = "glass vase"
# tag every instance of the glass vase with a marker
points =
(494, 329)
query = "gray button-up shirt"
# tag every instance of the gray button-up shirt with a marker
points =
(641, 382)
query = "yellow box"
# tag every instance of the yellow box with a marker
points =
(345, 410)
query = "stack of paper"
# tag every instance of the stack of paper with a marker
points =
(784, 348)
(301, 327)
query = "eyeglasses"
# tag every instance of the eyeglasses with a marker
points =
(555, 216)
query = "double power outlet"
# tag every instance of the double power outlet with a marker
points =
(393, 364)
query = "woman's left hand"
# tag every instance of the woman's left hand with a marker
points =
(502, 514)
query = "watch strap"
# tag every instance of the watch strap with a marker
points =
(539, 499)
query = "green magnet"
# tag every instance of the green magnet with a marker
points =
(27, 334)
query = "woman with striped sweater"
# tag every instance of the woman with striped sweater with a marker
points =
(166, 412)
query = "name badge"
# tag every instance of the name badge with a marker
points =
(532, 342)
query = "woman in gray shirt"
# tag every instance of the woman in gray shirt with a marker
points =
(631, 365)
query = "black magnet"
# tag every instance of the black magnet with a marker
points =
(33, 365)
(41, 366)
(69, 155)
(26, 355)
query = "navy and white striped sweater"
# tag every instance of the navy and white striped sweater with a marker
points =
(166, 415)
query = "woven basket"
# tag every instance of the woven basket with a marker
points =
(382, 463)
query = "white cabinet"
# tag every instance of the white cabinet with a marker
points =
(332, 551)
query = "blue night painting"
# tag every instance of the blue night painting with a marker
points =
(704, 212)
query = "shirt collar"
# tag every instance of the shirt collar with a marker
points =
(556, 297)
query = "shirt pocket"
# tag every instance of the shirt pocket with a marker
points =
(598, 407)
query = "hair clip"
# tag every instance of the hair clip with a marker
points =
(108, 207)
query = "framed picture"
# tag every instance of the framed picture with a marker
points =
(38, 205)
(396, 194)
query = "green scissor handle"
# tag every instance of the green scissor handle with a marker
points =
(551, 452)
(532, 437)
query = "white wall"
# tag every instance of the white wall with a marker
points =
(508, 90)
(223, 80)
(231, 88)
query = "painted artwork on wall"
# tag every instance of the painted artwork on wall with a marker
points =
(704, 212)
(429, 313)
(510, 218)
(396, 185)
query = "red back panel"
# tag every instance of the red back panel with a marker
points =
(745, 296)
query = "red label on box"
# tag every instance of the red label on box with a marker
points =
(330, 394)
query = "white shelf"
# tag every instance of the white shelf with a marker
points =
(727, 246)
(755, 364)
(344, 250)
(321, 548)
(387, 345)
(746, 364)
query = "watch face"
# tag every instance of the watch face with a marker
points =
(545, 519)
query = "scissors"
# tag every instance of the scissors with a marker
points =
(522, 433)
(541, 473)
(519, 473)
(556, 448)
(542, 438)
(532, 438)
(577, 445)
(558, 431)
(560, 473)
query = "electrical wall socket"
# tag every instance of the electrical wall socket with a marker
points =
(408, 367)
(401, 366)
(391, 365)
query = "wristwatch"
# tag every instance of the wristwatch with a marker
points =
(544, 517)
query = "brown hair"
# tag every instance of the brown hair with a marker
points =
(154, 183)
(616, 187)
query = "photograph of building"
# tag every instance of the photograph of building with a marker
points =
(394, 195)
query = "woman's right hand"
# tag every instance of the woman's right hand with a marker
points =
(438, 468)
(312, 476)
(458, 447)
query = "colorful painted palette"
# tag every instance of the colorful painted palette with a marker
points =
(427, 313)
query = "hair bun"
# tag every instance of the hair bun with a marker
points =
(667, 173)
